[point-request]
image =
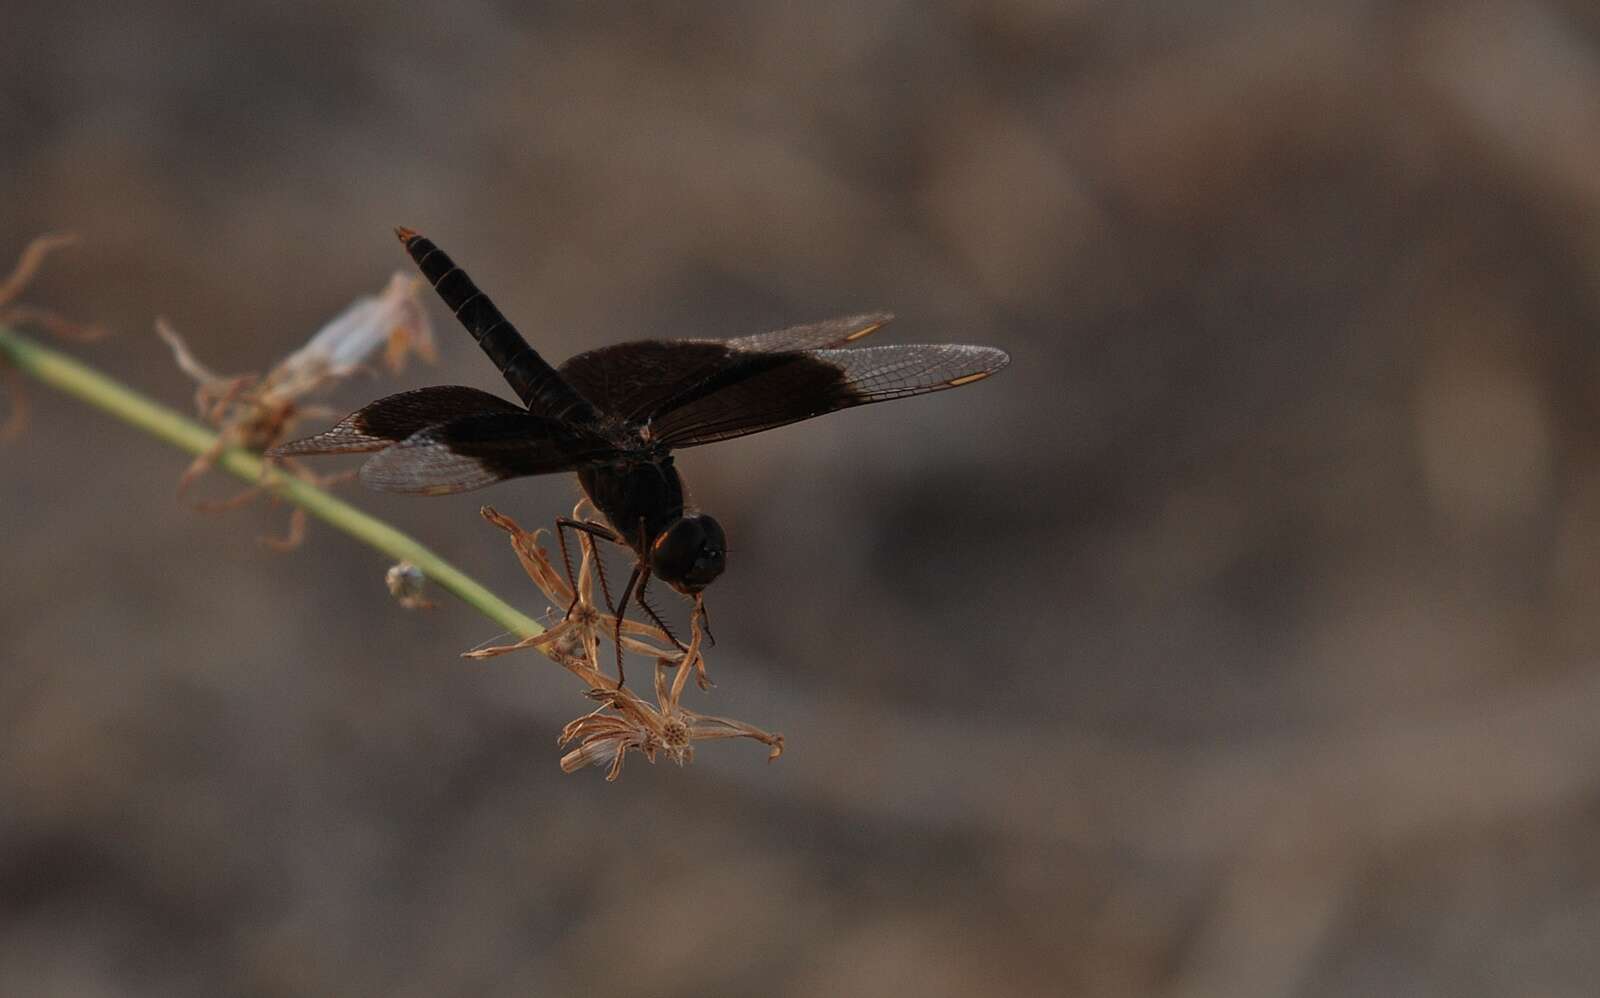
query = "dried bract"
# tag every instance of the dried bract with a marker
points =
(393, 319)
(28, 265)
(13, 392)
(582, 622)
(33, 257)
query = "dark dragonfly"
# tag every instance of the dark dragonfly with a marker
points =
(614, 415)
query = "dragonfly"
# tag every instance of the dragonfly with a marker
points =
(616, 414)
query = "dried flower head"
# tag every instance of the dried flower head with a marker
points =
(665, 726)
(257, 412)
(28, 265)
(624, 722)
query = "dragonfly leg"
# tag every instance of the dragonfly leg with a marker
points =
(565, 523)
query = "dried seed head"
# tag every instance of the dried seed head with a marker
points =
(676, 736)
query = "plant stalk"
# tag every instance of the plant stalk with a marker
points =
(62, 372)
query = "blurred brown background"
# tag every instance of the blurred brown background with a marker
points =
(1239, 640)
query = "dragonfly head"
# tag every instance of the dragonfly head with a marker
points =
(690, 553)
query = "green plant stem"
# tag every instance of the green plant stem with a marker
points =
(75, 378)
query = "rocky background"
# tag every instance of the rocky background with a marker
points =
(1240, 639)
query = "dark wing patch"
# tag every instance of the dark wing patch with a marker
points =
(632, 380)
(760, 391)
(474, 451)
(393, 419)
(635, 380)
